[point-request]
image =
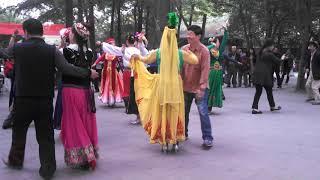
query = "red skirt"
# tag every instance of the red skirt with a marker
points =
(126, 83)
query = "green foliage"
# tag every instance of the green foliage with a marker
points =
(197, 8)
(8, 15)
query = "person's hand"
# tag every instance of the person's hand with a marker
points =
(227, 24)
(187, 51)
(307, 70)
(16, 32)
(123, 47)
(186, 48)
(94, 74)
(134, 57)
(140, 38)
(199, 95)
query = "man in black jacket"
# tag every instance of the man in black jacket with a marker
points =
(313, 66)
(35, 63)
(232, 61)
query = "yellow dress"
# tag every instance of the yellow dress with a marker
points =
(160, 96)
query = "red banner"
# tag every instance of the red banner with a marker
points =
(49, 30)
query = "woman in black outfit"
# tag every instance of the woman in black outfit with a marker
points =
(263, 76)
(251, 55)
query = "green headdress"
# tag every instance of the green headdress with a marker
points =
(172, 20)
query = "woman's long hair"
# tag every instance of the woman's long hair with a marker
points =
(267, 43)
(248, 54)
(82, 43)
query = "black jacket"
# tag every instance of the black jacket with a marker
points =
(263, 72)
(315, 65)
(34, 68)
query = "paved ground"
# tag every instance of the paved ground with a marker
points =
(272, 146)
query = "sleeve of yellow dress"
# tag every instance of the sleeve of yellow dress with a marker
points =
(150, 58)
(189, 57)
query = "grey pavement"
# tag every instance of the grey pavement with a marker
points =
(273, 146)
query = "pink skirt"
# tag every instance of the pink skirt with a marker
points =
(78, 128)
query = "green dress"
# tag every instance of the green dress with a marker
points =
(216, 74)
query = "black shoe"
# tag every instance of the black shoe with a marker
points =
(309, 99)
(316, 103)
(256, 112)
(85, 167)
(9, 165)
(228, 86)
(48, 173)
(8, 123)
(275, 108)
(46, 177)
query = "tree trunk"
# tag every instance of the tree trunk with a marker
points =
(179, 25)
(69, 13)
(119, 22)
(147, 22)
(304, 23)
(91, 19)
(135, 15)
(244, 23)
(140, 17)
(162, 9)
(280, 33)
(250, 43)
(204, 22)
(178, 6)
(85, 10)
(80, 10)
(112, 17)
(269, 21)
(191, 14)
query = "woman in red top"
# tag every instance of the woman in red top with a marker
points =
(111, 89)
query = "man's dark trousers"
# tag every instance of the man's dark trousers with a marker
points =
(39, 110)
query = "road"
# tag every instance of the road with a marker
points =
(273, 146)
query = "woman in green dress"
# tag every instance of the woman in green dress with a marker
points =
(216, 74)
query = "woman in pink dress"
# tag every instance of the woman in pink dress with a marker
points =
(78, 123)
(111, 89)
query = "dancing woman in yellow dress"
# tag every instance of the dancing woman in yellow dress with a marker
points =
(160, 96)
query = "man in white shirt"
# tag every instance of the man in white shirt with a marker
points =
(134, 45)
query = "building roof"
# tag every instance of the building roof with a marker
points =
(214, 26)
(49, 29)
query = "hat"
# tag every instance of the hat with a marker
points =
(82, 30)
(314, 43)
(131, 38)
(109, 40)
(173, 20)
(65, 32)
(137, 35)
